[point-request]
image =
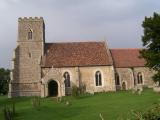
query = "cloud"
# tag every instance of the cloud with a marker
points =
(119, 21)
(3, 4)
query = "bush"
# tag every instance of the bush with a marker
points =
(152, 114)
(75, 91)
(4, 80)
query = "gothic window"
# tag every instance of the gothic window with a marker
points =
(98, 78)
(139, 78)
(117, 81)
(30, 34)
(66, 79)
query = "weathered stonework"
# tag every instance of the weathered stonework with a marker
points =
(87, 76)
(146, 74)
(129, 76)
(80, 75)
(26, 69)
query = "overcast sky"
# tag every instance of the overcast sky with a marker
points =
(117, 21)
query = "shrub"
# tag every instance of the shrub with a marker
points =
(4, 80)
(153, 113)
(137, 115)
(75, 91)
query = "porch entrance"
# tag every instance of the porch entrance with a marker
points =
(52, 88)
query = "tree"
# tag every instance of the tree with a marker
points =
(151, 42)
(4, 80)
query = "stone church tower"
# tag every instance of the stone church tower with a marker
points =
(26, 74)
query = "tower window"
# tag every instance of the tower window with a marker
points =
(30, 34)
(98, 78)
(139, 78)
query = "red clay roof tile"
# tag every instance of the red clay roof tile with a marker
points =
(127, 58)
(75, 54)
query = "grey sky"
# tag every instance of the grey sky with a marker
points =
(118, 21)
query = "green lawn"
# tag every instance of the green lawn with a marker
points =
(112, 105)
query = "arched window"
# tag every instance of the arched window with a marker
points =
(98, 78)
(66, 79)
(30, 34)
(139, 78)
(117, 81)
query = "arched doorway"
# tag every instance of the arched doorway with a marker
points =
(123, 86)
(52, 88)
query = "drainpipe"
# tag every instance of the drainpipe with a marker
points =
(78, 77)
(134, 80)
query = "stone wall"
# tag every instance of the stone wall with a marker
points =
(129, 76)
(27, 70)
(146, 74)
(81, 75)
(87, 76)
(126, 75)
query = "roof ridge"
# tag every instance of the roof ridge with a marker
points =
(126, 48)
(75, 42)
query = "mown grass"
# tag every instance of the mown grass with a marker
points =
(111, 105)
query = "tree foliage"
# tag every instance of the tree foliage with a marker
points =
(151, 42)
(4, 80)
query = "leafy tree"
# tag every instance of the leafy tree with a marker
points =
(4, 80)
(151, 42)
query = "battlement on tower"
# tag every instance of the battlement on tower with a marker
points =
(30, 19)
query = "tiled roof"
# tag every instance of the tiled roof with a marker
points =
(127, 58)
(75, 54)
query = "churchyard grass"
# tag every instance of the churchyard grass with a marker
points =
(111, 106)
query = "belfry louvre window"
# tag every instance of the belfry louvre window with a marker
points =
(139, 78)
(98, 78)
(66, 79)
(30, 34)
(29, 54)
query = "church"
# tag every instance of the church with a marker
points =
(52, 69)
